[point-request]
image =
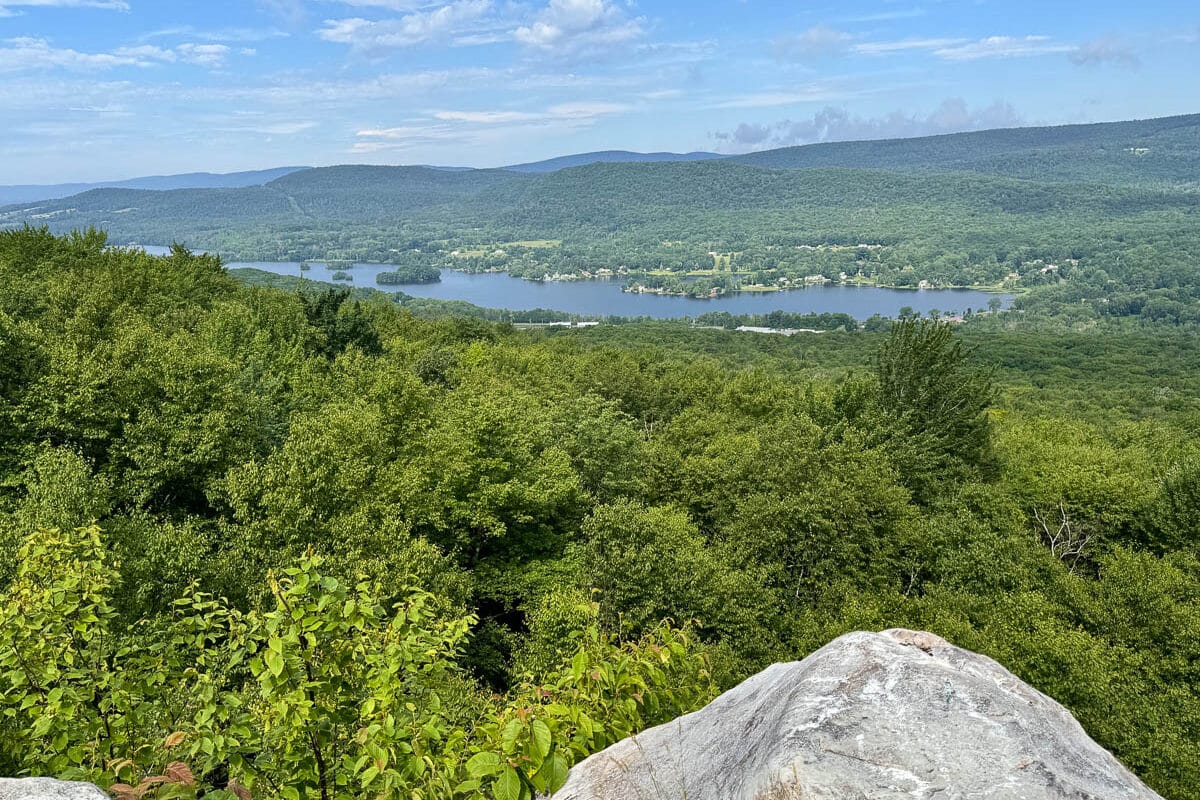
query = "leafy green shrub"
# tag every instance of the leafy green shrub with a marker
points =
(329, 693)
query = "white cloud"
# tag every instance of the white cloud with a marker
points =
(406, 137)
(299, 91)
(662, 94)
(808, 94)
(901, 45)
(475, 39)
(837, 125)
(816, 42)
(967, 50)
(1003, 47)
(576, 28)
(6, 6)
(217, 35)
(27, 53)
(291, 12)
(580, 110)
(821, 41)
(271, 128)
(476, 127)
(586, 110)
(145, 54)
(485, 117)
(419, 27)
(1106, 50)
(401, 132)
(390, 5)
(888, 16)
(203, 55)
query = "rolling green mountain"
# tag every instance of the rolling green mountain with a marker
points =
(1165, 149)
(192, 180)
(1104, 216)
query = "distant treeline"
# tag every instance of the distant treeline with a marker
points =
(780, 320)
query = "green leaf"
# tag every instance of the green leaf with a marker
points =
(558, 773)
(508, 785)
(541, 739)
(512, 731)
(482, 764)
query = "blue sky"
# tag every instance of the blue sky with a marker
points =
(107, 89)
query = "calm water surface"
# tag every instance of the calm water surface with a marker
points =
(604, 297)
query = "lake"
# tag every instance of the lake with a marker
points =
(605, 298)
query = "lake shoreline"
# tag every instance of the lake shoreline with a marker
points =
(601, 297)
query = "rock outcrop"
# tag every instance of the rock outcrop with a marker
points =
(48, 789)
(870, 716)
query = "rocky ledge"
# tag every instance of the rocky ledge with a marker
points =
(870, 716)
(48, 789)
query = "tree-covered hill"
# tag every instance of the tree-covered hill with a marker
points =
(191, 180)
(1140, 151)
(714, 201)
(1089, 221)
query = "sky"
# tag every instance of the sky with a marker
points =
(111, 89)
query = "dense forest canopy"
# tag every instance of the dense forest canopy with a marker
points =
(1086, 222)
(266, 542)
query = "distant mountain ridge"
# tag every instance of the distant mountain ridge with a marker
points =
(841, 193)
(28, 193)
(1164, 148)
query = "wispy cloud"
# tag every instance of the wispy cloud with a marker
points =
(203, 55)
(30, 54)
(7, 6)
(579, 110)
(902, 45)
(1003, 47)
(575, 28)
(809, 94)
(390, 5)
(270, 128)
(484, 117)
(822, 41)
(419, 27)
(216, 35)
(816, 42)
(1107, 50)
(887, 16)
(958, 49)
(470, 125)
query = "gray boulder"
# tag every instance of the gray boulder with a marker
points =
(870, 716)
(48, 789)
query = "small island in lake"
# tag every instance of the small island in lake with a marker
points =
(410, 273)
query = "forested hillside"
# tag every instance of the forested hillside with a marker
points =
(1085, 222)
(191, 180)
(1139, 151)
(266, 543)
